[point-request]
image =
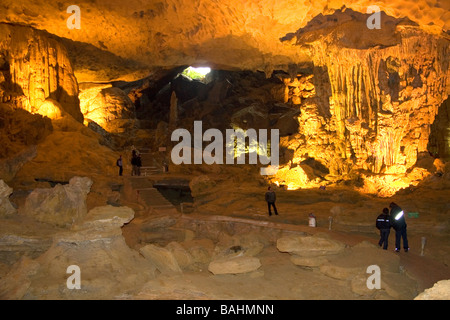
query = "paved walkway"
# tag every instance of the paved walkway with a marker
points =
(146, 194)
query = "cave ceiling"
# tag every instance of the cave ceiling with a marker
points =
(127, 40)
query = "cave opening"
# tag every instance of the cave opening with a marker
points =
(197, 73)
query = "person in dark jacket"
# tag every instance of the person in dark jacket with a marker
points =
(119, 163)
(138, 164)
(384, 225)
(134, 163)
(271, 198)
(398, 222)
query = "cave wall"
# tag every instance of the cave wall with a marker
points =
(366, 98)
(439, 144)
(233, 33)
(383, 94)
(34, 67)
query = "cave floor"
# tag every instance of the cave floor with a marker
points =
(278, 278)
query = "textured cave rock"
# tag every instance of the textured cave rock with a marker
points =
(95, 244)
(6, 208)
(239, 34)
(36, 67)
(383, 94)
(20, 133)
(440, 291)
(107, 106)
(358, 108)
(62, 205)
(366, 99)
(439, 144)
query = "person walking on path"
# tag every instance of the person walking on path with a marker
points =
(138, 164)
(119, 163)
(384, 225)
(271, 198)
(398, 222)
(134, 163)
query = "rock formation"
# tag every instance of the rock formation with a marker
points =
(35, 67)
(440, 291)
(374, 94)
(107, 106)
(362, 112)
(62, 205)
(6, 208)
(234, 265)
(95, 245)
(242, 35)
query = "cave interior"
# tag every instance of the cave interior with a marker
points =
(341, 108)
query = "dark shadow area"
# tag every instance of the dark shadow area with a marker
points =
(439, 141)
(52, 183)
(87, 58)
(317, 166)
(350, 27)
(177, 191)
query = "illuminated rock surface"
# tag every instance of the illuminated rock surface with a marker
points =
(440, 291)
(61, 205)
(233, 33)
(363, 118)
(36, 67)
(94, 245)
(6, 207)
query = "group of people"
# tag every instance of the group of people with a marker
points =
(395, 218)
(136, 164)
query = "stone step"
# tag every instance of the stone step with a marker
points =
(139, 183)
(147, 173)
(147, 159)
(153, 198)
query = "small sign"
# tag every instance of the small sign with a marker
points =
(413, 214)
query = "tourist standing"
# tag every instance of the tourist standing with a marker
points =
(270, 199)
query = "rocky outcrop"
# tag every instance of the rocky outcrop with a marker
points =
(376, 93)
(34, 67)
(440, 291)
(352, 265)
(238, 34)
(62, 205)
(6, 208)
(108, 267)
(309, 246)
(162, 258)
(383, 99)
(108, 106)
(439, 144)
(70, 150)
(234, 265)
(20, 130)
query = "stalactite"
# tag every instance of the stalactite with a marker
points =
(39, 69)
(364, 87)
